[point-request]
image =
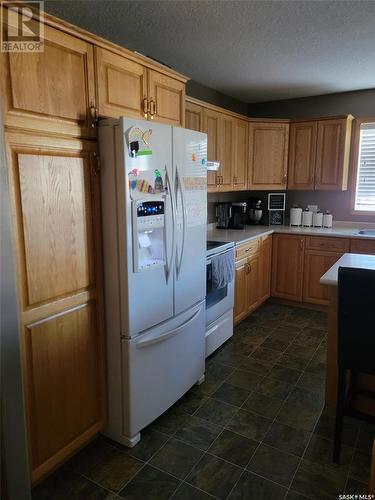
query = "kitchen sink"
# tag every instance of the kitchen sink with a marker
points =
(368, 232)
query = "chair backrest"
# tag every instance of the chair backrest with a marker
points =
(356, 319)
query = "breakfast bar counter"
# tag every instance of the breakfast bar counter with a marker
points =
(330, 278)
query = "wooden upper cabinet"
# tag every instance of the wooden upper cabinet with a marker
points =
(241, 140)
(121, 85)
(212, 125)
(332, 154)
(53, 90)
(287, 266)
(166, 99)
(193, 116)
(227, 153)
(268, 155)
(302, 150)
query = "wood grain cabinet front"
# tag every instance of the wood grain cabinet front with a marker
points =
(317, 263)
(55, 196)
(241, 142)
(121, 86)
(265, 267)
(287, 266)
(302, 151)
(51, 91)
(268, 155)
(193, 116)
(166, 99)
(332, 154)
(362, 246)
(212, 125)
(128, 88)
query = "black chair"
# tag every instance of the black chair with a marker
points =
(355, 342)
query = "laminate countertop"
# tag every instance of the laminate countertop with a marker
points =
(356, 260)
(239, 236)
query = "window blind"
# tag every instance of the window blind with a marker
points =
(365, 192)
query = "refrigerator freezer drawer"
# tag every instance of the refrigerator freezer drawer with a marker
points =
(160, 366)
(218, 332)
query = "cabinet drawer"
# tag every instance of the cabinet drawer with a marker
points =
(247, 249)
(327, 243)
(362, 246)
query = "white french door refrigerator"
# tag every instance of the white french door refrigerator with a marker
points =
(154, 210)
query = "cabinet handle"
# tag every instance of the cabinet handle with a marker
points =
(145, 107)
(234, 180)
(152, 109)
(301, 245)
(285, 178)
(94, 116)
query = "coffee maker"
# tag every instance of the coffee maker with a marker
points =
(231, 215)
(255, 210)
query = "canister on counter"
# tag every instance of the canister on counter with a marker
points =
(295, 216)
(307, 218)
(318, 219)
(327, 219)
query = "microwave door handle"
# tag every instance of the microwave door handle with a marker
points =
(184, 221)
(168, 265)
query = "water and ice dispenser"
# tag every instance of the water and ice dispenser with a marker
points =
(148, 233)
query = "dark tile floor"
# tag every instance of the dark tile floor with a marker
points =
(255, 429)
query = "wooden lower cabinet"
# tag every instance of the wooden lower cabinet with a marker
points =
(316, 264)
(362, 246)
(55, 202)
(252, 283)
(252, 277)
(265, 266)
(240, 303)
(287, 266)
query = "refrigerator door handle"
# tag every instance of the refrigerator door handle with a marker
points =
(168, 266)
(155, 338)
(184, 221)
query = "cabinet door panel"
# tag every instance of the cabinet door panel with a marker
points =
(268, 155)
(193, 117)
(212, 127)
(241, 155)
(57, 224)
(169, 97)
(121, 85)
(240, 299)
(227, 153)
(302, 149)
(52, 90)
(362, 246)
(63, 380)
(56, 205)
(332, 157)
(316, 264)
(252, 283)
(265, 264)
(287, 266)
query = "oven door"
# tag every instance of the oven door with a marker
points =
(218, 300)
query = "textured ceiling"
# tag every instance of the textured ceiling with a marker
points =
(253, 50)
